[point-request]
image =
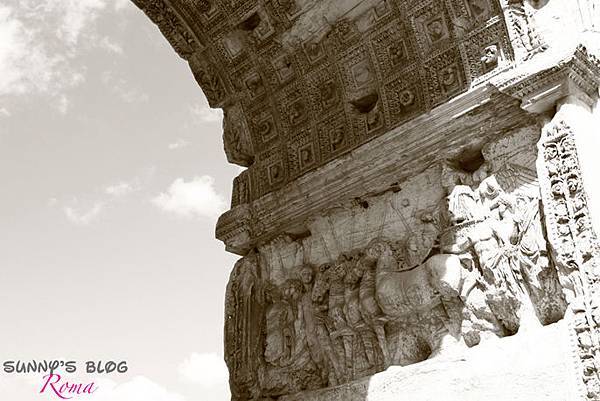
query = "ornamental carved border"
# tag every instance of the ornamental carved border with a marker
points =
(575, 246)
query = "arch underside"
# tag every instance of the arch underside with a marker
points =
(303, 82)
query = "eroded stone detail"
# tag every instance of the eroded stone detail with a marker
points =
(453, 258)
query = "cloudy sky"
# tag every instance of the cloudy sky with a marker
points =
(113, 175)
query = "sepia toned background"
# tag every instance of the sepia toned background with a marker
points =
(113, 175)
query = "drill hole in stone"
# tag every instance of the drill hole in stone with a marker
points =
(366, 103)
(250, 23)
(362, 203)
(469, 160)
(537, 4)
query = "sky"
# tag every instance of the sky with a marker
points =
(113, 175)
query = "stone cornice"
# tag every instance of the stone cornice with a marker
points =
(414, 121)
(380, 165)
(552, 76)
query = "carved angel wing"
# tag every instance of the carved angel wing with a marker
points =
(515, 178)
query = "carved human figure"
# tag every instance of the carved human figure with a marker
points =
(510, 250)
(365, 355)
(476, 233)
(424, 296)
(277, 343)
(324, 325)
(478, 8)
(243, 326)
(522, 22)
(288, 357)
(436, 30)
(317, 347)
(518, 223)
(421, 243)
(490, 57)
(464, 206)
(342, 335)
(369, 307)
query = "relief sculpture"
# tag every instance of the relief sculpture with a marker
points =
(474, 265)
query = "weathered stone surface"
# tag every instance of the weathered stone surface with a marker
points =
(303, 82)
(414, 202)
(456, 255)
(534, 365)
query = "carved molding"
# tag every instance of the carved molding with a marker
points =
(555, 77)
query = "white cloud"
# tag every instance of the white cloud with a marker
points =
(81, 216)
(122, 89)
(76, 16)
(111, 46)
(25, 64)
(42, 41)
(178, 144)
(4, 112)
(207, 369)
(139, 388)
(63, 104)
(132, 95)
(122, 4)
(121, 189)
(197, 197)
(202, 113)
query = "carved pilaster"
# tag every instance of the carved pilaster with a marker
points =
(575, 246)
(589, 14)
(523, 33)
